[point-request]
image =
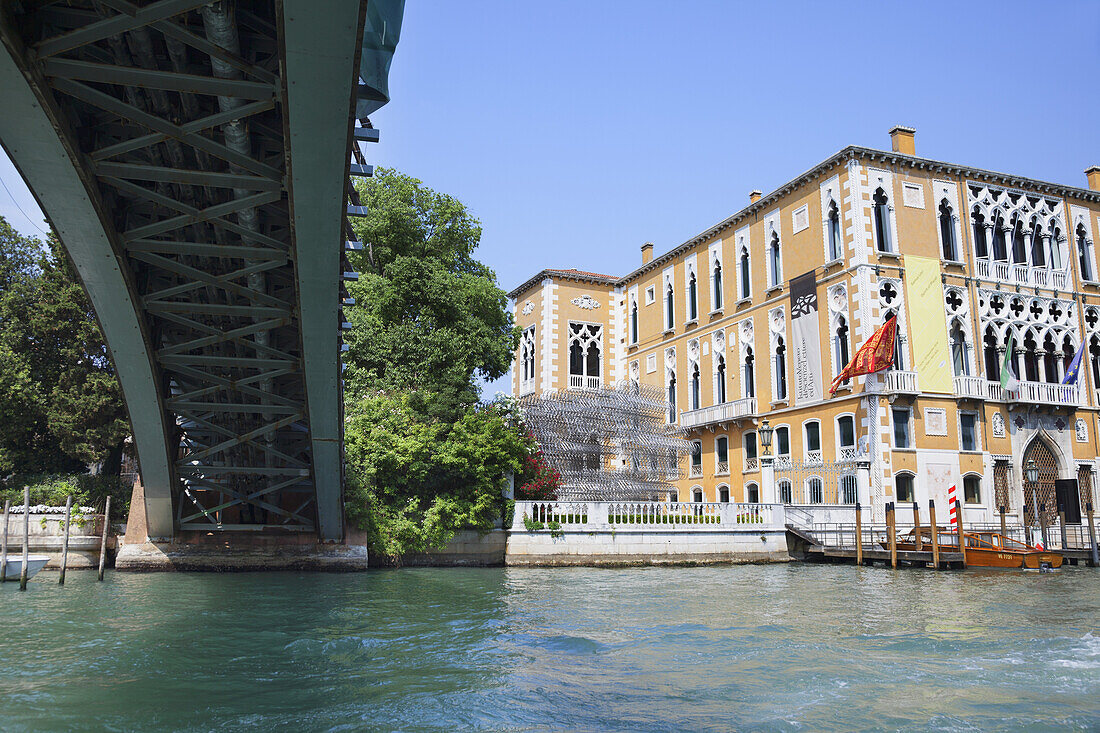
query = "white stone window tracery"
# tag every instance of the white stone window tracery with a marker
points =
(780, 355)
(747, 358)
(1018, 236)
(527, 361)
(832, 227)
(585, 344)
(840, 328)
(1044, 331)
(891, 301)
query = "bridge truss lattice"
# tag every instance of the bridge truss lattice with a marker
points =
(194, 161)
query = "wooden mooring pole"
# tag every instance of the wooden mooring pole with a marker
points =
(891, 523)
(26, 537)
(4, 544)
(65, 543)
(916, 527)
(1004, 527)
(859, 534)
(935, 534)
(1092, 536)
(103, 539)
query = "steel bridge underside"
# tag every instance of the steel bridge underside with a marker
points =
(193, 158)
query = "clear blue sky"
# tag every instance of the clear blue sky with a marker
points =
(576, 131)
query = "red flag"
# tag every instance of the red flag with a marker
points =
(874, 356)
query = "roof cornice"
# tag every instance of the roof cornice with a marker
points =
(849, 153)
(585, 277)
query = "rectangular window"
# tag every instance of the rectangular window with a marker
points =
(650, 363)
(968, 427)
(901, 427)
(813, 436)
(723, 450)
(847, 431)
(782, 441)
(750, 445)
(650, 295)
(696, 454)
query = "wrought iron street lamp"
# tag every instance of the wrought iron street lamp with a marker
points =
(1032, 472)
(765, 432)
(1031, 475)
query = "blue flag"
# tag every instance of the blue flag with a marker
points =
(1074, 366)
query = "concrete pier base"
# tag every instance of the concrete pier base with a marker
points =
(229, 553)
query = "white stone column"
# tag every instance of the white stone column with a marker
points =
(863, 482)
(767, 481)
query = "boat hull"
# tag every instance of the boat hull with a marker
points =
(980, 557)
(34, 564)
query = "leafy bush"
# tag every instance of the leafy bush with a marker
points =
(86, 490)
(414, 480)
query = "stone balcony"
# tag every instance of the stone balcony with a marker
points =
(1020, 274)
(715, 414)
(1032, 393)
(579, 381)
(892, 381)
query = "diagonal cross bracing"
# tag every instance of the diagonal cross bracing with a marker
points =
(193, 158)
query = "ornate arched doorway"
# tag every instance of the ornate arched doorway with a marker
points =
(1045, 494)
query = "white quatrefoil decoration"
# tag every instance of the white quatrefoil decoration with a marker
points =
(587, 302)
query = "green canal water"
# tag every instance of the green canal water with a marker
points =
(720, 648)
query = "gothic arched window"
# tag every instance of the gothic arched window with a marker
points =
(634, 322)
(775, 261)
(947, 231)
(746, 273)
(1038, 252)
(882, 221)
(670, 309)
(1000, 251)
(671, 396)
(721, 386)
(1083, 253)
(989, 355)
(981, 245)
(717, 280)
(780, 369)
(1019, 252)
(1031, 358)
(693, 298)
(835, 241)
(750, 377)
(695, 387)
(840, 339)
(958, 351)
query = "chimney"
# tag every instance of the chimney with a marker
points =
(755, 195)
(647, 253)
(1093, 175)
(901, 140)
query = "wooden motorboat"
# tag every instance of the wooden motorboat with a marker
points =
(984, 549)
(15, 565)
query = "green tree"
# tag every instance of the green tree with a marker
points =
(62, 404)
(414, 480)
(429, 318)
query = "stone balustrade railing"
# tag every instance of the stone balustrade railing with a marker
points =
(593, 516)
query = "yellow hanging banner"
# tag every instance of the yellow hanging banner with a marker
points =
(927, 325)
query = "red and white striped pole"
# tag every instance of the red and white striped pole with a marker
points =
(953, 507)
